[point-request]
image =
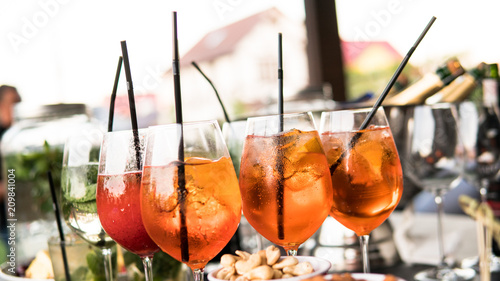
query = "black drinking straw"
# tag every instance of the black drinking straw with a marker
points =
(226, 116)
(55, 206)
(279, 163)
(379, 101)
(181, 177)
(131, 102)
(280, 80)
(113, 95)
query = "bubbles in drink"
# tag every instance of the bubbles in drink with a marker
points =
(296, 160)
(212, 207)
(368, 182)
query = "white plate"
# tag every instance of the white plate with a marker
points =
(320, 266)
(366, 276)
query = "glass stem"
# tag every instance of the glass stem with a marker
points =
(483, 189)
(108, 266)
(147, 262)
(292, 252)
(260, 242)
(438, 198)
(363, 242)
(198, 274)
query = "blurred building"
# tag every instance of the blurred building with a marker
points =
(369, 65)
(364, 56)
(241, 59)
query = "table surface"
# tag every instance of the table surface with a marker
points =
(407, 271)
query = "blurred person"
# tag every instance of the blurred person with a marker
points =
(8, 98)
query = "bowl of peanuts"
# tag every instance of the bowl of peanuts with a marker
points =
(266, 265)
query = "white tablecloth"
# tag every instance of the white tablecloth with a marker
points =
(415, 235)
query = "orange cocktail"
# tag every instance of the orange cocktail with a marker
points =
(285, 185)
(367, 185)
(190, 199)
(366, 173)
(213, 207)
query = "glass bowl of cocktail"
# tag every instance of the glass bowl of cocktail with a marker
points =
(78, 195)
(284, 179)
(191, 204)
(118, 194)
(365, 170)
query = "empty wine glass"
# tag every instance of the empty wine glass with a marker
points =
(437, 155)
(480, 131)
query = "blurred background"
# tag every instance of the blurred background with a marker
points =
(57, 51)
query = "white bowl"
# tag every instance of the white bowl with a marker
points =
(366, 277)
(8, 277)
(320, 266)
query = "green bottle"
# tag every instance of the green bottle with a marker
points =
(428, 85)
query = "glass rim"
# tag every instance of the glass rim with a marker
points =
(354, 110)
(240, 121)
(277, 115)
(124, 132)
(189, 123)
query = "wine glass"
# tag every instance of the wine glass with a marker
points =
(118, 194)
(482, 158)
(284, 179)
(234, 136)
(78, 188)
(437, 155)
(366, 172)
(190, 207)
(468, 117)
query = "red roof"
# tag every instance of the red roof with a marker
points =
(352, 49)
(225, 39)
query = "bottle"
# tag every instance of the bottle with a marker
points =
(488, 142)
(493, 199)
(488, 139)
(459, 89)
(488, 134)
(428, 85)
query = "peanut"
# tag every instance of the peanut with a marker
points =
(244, 266)
(288, 261)
(225, 273)
(272, 254)
(228, 260)
(262, 272)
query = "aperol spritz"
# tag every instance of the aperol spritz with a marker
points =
(365, 168)
(190, 208)
(284, 179)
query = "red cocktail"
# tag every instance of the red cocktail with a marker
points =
(119, 209)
